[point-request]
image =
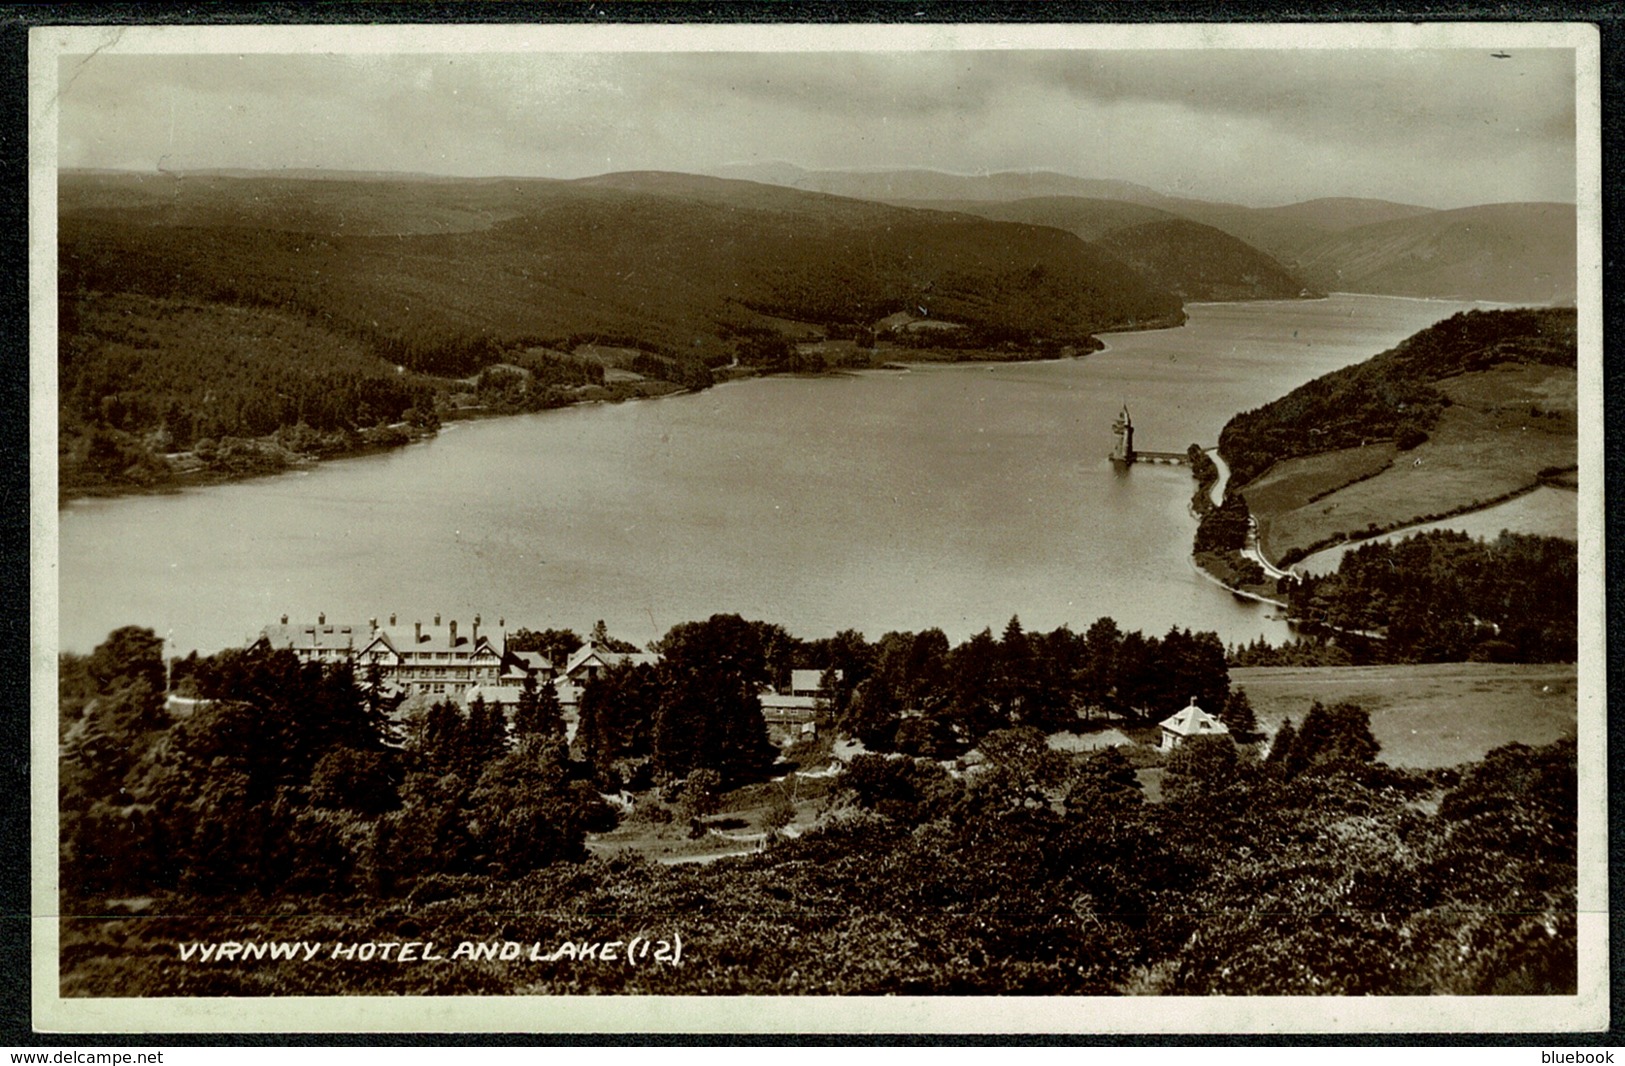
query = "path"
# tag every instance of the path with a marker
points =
(1216, 494)
(1252, 551)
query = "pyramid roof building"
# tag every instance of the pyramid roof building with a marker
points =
(1192, 721)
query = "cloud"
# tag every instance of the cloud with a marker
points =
(1438, 128)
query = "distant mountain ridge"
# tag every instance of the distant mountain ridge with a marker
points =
(1509, 252)
(1516, 253)
(922, 184)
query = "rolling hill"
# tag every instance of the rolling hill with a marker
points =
(675, 263)
(1197, 262)
(1515, 253)
(1468, 412)
(1334, 214)
(1088, 217)
(910, 185)
(1192, 260)
(1523, 252)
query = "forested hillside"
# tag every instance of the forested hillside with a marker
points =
(213, 306)
(1445, 597)
(1392, 395)
(1513, 252)
(1474, 410)
(1197, 262)
(1194, 260)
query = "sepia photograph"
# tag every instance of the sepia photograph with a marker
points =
(817, 528)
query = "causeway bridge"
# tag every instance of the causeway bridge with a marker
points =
(1125, 453)
(1166, 458)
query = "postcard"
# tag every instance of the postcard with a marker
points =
(817, 528)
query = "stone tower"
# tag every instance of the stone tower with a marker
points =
(1123, 430)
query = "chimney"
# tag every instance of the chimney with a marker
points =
(372, 624)
(321, 619)
(474, 637)
(392, 618)
(454, 632)
(417, 632)
(284, 619)
(437, 618)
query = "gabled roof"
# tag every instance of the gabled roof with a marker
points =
(590, 651)
(532, 660)
(315, 637)
(434, 638)
(1194, 722)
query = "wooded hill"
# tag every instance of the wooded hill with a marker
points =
(1467, 413)
(1198, 262)
(1393, 394)
(172, 286)
(678, 264)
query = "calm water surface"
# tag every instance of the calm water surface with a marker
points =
(951, 496)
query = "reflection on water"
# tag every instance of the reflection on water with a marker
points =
(951, 496)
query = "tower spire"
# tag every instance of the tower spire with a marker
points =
(1123, 430)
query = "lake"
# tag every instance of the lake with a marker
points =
(950, 496)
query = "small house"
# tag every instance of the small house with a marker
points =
(1188, 723)
(789, 717)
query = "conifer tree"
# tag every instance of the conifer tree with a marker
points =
(538, 713)
(1281, 746)
(484, 738)
(441, 739)
(1238, 715)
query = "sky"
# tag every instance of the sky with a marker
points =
(1438, 128)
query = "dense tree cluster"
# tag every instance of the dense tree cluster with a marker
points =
(1224, 528)
(1445, 596)
(1392, 395)
(912, 693)
(1299, 651)
(284, 777)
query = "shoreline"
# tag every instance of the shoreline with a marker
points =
(892, 359)
(1254, 596)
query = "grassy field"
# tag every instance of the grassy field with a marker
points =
(1546, 512)
(1504, 426)
(1440, 714)
(738, 826)
(1292, 486)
